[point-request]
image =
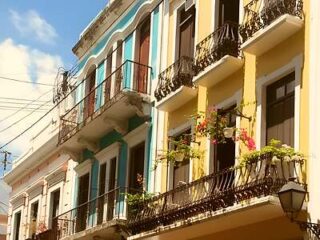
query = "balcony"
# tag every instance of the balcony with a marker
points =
(124, 93)
(241, 191)
(217, 56)
(175, 85)
(268, 23)
(99, 217)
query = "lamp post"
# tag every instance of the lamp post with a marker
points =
(292, 196)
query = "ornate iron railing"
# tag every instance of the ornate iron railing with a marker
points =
(130, 76)
(259, 14)
(224, 41)
(107, 207)
(178, 74)
(216, 191)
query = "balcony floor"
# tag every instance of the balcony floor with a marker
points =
(245, 215)
(267, 38)
(102, 122)
(218, 71)
(177, 99)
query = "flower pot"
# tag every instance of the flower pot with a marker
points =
(179, 157)
(228, 132)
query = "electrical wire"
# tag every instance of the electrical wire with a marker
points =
(26, 105)
(18, 104)
(23, 81)
(22, 99)
(21, 119)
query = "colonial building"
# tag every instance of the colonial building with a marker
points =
(187, 118)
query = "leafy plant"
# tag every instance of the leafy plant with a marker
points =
(274, 148)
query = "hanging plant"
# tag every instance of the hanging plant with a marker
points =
(180, 150)
(213, 126)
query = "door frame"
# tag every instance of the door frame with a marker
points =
(235, 99)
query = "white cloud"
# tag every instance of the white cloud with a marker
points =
(31, 24)
(22, 62)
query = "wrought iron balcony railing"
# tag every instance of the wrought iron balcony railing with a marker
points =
(259, 14)
(106, 208)
(224, 41)
(178, 74)
(130, 76)
(219, 190)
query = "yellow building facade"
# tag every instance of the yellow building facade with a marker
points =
(250, 59)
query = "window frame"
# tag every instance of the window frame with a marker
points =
(295, 65)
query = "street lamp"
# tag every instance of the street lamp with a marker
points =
(292, 196)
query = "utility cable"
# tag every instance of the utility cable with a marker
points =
(23, 81)
(22, 99)
(26, 105)
(21, 119)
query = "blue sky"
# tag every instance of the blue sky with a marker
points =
(36, 37)
(67, 17)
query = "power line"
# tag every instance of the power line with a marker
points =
(21, 119)
(26, 105)
(22, 99)
(28, 108)
(9, 103)
(23, 81)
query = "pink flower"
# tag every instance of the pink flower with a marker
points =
(214, 141)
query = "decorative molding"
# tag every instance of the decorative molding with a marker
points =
(89, 144)
(108, 152)
(84, 167)
(137, 135)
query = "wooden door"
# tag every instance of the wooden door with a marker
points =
(112, 194)
(17, 224)
(280, 110)
(186, 33)
(102, 190)
(90, 95)
(55, 196)
(136, 168)
(228, 11)
(143, 57)
(83, 195)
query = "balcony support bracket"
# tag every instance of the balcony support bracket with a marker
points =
(118, 125)
(141, 107)
(74, 155)
(91, 145)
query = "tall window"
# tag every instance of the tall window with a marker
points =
(181, 170)
(54, 202)
(16, 225)
(33, 218)
(186, 32)
(136, 167)
(90, 94)
(111, 188)
(143, 58)
(83, 195)
(224, 153)
(102, 190)
(228, 11)
(280, 110)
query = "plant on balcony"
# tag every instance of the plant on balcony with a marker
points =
(213, 126)
(140, 195)
(276, 150)
(42, 227)
(180, 150)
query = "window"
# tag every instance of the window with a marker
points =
(83, 194)
(16, 225)
(280, 110)
(224, 153)
(181, 170)
(143, 57)
(108, 77)
(33, 218)
(228, 11)
(111, 188)
(102, 190)
(90, 94)
(54, 205)
(136, 168)
(186, 30)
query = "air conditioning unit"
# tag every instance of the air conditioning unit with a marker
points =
(188, 4)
